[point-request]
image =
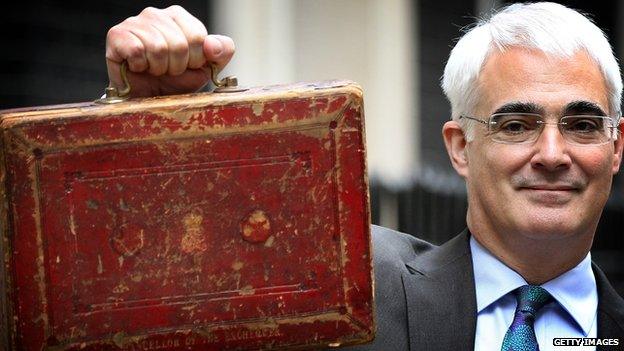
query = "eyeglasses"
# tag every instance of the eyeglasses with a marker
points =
(523, 128)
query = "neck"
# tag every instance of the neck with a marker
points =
(536, 259)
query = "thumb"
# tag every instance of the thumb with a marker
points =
(218, 49)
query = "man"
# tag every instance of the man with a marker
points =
(535, 95)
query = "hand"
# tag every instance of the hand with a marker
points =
(166, 50)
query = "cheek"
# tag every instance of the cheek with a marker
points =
(595, 165)
(498, 162)
(491, 168)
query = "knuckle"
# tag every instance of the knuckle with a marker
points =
(179, 48)
(137, 64)
(135, 51)
(159, 50)
(114, 31)
(150, 11)
(176, 9)
(157, 67)
(133, 20)
(196, 39)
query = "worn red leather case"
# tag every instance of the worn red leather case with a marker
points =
(207, 221)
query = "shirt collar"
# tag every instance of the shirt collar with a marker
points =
(575, 290)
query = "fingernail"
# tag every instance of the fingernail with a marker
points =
(217, 46)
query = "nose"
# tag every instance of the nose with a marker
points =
(551, 150)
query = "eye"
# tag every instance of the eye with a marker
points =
(584, 124)
(514, 126)
(514, 123)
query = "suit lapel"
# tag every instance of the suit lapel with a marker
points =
(441, 301)
(610, 308)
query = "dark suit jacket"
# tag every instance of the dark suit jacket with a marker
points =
(425, 295)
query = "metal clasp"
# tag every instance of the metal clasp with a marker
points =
(228, 84)
(114, 95)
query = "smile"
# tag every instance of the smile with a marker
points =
(550, 196)
(550, 188)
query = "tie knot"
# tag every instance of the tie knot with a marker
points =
(531, 298)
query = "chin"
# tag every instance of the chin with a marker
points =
(548, 234)
(545, 227)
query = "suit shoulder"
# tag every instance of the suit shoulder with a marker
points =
(391, 246)
(610, 307)
(391, 250)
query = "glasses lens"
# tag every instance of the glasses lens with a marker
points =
(514, 127)
(586, 130)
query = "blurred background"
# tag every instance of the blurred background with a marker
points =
(53, 52)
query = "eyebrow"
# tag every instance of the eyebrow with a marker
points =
(582, 107)
(520, 107)
(579, 107)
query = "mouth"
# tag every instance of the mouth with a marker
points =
(549, 187)
(550, 195)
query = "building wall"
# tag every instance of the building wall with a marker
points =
(367, 41)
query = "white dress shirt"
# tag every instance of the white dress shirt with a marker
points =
(574, 314)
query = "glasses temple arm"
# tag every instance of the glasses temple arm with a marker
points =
(475, 119)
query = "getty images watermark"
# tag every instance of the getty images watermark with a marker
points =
(585, 342)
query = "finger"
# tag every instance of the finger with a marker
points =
(189, 81)
(218, 49)
(139, 86)
(123, 45)
(156, 49)
(195, 33)
(177, 44)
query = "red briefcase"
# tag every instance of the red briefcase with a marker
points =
(207, 221)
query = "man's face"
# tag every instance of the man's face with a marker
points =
(550, 188)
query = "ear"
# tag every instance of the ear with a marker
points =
(455, 143)
(619, 146)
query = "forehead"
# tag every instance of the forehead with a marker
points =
(531, 76)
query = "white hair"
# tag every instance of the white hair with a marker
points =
(548, 27)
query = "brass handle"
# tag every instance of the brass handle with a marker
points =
(229, 81)
(228, 84)
(124, 77)
(113, 95)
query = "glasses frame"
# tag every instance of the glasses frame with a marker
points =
(613, 135)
